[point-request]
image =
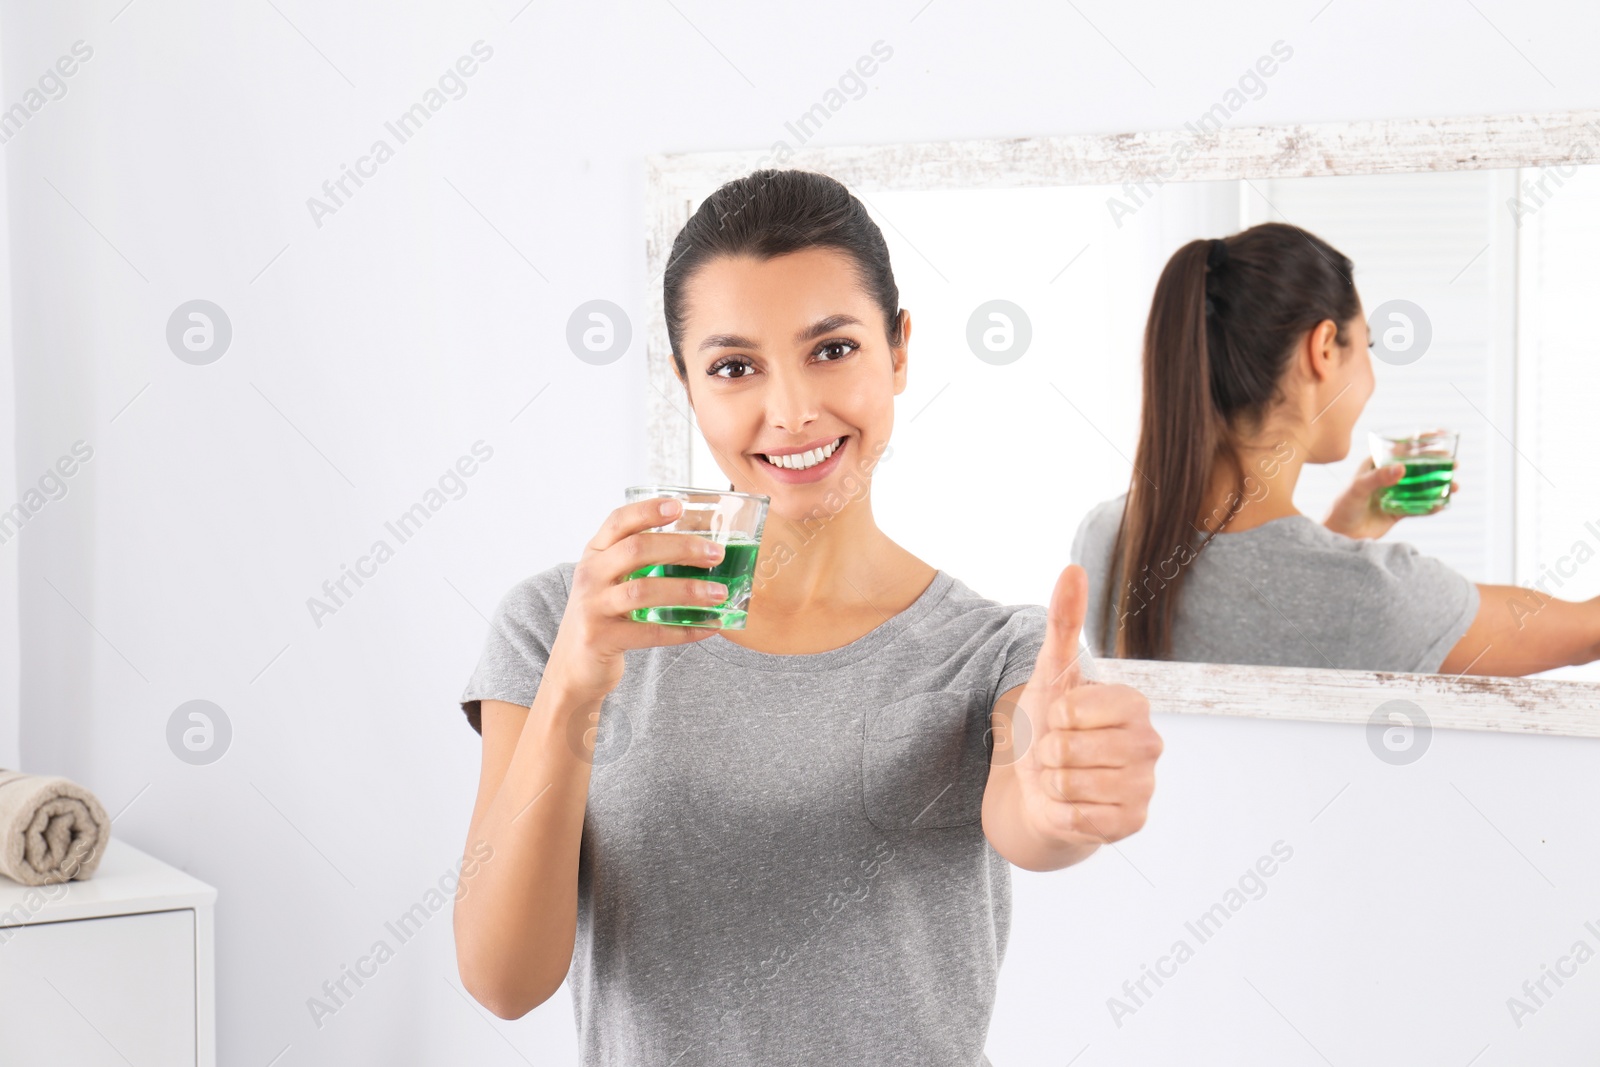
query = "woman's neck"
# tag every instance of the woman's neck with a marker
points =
(1271, 472)
(818, 559)
(824, 580)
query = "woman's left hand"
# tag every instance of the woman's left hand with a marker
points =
(1356, 513)
(1087, 773)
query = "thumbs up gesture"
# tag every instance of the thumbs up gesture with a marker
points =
(1084, 753)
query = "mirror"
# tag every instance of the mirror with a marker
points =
(1029, 306)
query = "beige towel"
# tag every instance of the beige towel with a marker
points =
(51, 829)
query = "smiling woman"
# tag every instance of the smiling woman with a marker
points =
(708, 888)
(804, 236)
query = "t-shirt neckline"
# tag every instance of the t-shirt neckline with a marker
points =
(869, 642)
(1287, 520)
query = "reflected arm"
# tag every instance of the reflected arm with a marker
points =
(1520, 631)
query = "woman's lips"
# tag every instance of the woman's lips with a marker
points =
(789, 476)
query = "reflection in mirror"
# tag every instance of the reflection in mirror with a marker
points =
(1022, 413)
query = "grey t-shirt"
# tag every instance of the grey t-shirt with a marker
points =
(1292, 593)
(782, 859)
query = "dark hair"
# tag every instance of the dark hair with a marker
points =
(770, 213)
(1226, 315)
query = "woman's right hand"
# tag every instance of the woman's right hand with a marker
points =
(595, 628)
(1357, 512)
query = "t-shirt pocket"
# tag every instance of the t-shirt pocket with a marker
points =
(925, 760)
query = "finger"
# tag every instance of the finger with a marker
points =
(631, 518)
(638, 551)
(1094, 822)
(1106, 747)
(1098, 707)
(624, 597)
(1058, 658)
(1380, 477)
(1095, 785)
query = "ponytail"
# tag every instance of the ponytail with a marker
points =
(1224, 320)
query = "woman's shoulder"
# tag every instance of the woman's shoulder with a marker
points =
(1107, 509)
(556, 578)
(961, 600)
(1097, 530)
(968, 624)
(540, 597)
(965, 618)
(1390, 561)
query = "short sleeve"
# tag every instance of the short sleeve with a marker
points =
(1025, 628)
(1421, 608)
(521, 633)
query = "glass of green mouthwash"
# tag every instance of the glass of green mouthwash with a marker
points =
(735, 520)
(1430, 461)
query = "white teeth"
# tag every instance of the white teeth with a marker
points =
(803, 460)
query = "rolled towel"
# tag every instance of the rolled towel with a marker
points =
(51, 829)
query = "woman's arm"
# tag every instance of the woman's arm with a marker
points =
(1521, 631)
(1073, 762)
(516, 916)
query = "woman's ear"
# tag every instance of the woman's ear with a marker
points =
(899, 352)
(688, 394)
(1322, 348)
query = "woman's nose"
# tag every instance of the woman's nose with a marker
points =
(791, 401)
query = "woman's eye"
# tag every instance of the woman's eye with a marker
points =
(846, 346)
(723, 364)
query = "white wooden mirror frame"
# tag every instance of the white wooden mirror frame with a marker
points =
(677, 183)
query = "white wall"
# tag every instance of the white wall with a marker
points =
(368, 354)
(10, 650)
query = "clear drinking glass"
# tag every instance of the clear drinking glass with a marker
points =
(735, 520)
(1430, 461)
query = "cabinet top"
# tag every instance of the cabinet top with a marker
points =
(127, 881)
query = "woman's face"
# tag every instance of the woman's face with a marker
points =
(1342, 393)
(788, 358)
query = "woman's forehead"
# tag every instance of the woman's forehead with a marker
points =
(781, 295)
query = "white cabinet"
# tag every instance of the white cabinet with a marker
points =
(114, 970)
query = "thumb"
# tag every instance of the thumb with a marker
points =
(1370, 477)
(1058, 658)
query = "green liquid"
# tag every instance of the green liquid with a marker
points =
(1425, 485)
(735, 570)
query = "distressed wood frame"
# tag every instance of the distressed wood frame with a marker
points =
(677, 183)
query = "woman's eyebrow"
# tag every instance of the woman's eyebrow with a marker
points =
(827, 325)
(726, 340)
(815, 330)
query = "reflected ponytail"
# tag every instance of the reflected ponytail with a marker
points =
(1224, 320)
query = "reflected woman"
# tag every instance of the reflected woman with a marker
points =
(1255, 364)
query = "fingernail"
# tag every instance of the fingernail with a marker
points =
(669, 507)
(715, 589)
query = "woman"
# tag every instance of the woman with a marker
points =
(781, 847)
(1256, 363)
